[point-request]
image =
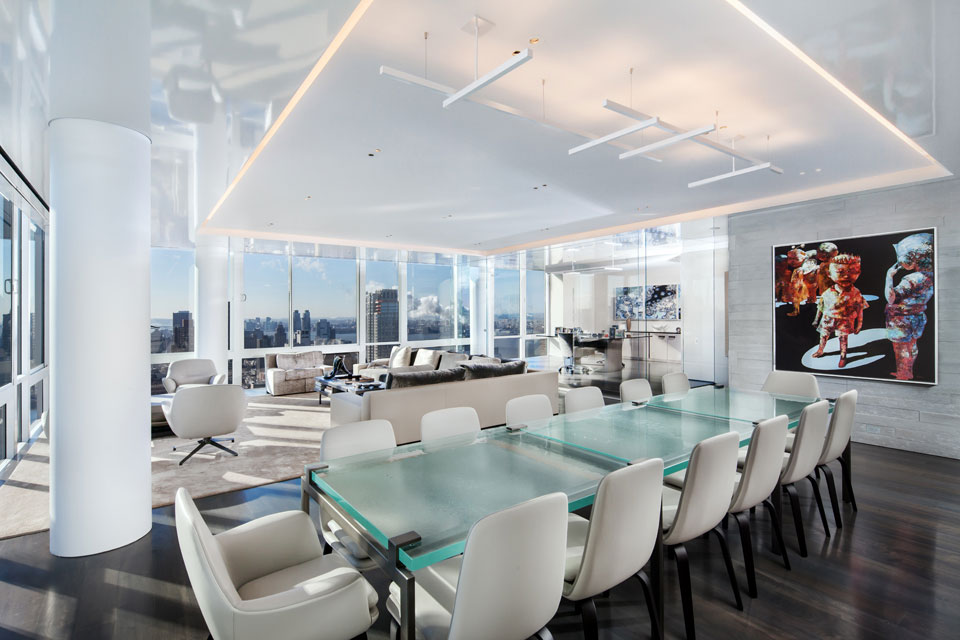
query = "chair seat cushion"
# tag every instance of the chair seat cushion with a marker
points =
(789, 445)
(577, 528)
(329, 571)
(671, 498)
(676, 479)
(300, 374)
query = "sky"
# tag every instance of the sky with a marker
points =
(171, 281)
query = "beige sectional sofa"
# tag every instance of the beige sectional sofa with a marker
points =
(404, 407)
(294, 372)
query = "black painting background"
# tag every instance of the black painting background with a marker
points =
(795, 336)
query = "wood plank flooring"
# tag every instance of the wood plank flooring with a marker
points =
(892, 571)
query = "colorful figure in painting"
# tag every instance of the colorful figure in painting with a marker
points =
(826, 252)
(840, 308)
(803, 282)
(907, 302)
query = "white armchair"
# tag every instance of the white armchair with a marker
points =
(192, 371)
(202, 412)
(269, 579)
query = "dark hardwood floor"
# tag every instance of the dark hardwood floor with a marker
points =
(893, 571)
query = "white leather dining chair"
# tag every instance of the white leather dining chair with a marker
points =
(446, 423)
(352, 439)
(801, 462)
(698, 509)
(675, 383)
(792, 383)
(268, 578)
(616, 542)
(528, 408)
(582, 399)
(507, 583)
(635, 390)
(838, 437)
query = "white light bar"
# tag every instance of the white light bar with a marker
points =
(731, 174)
(680, 137)
(616, 134)
(481, 82)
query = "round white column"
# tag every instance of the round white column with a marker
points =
(100, 495)
(212, 260)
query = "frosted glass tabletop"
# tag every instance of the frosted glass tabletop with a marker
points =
(441, 489)
(734, 404)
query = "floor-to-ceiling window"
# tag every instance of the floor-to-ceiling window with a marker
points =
(382, 307)
(506, 307)
(535, 308)
(172, 327)
(430, 301)
(324, 301)
(37, 292)
(6, 294)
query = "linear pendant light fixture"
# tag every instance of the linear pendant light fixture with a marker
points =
(515, 61)
(666, 142)
(729, 174)
(616, 134)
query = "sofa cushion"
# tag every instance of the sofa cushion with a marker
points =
(477, 370)
(399, 358)
(427, 356)
(420, 378)
(301, 360)
(449, 359)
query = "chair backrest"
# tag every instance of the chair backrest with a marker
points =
(210, 410)
(761, 471)
(635, 390)
(707, 488)
(192, 371)
(357, 437)
(215, 592)
(808, 442)
(445, 423)
(582, 399)
(841, 424)
(528, 408)
(675, 383)
(511, 578)
(623, 528)
(792, 383)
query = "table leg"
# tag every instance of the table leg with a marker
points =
(657, 577)
(304, 497)
(405, 580)
(846, 478)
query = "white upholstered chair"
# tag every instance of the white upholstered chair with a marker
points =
(635, 390)
(192, 371)
(268, 578)
(838, 437)
(506, 585)
(616, 543)
(202, 412)
(801, 462)
(446, 423)
(792, 383)
(675, 383)
(582, 399)
(699, 508)
(528, 408)
(351, 440)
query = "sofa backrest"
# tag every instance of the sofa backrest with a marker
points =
(300, 360)
(488, 396)
(406, 379)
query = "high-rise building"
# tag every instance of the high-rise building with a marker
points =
(383, 318)
(305, 328)
(325, 332)
(280, 336)
(182, 331)
(296, 320)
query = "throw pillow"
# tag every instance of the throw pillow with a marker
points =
(476, 370)
(427, 356)
(400, 358)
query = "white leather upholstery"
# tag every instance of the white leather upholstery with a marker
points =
(762, 465)
(528, 408)
(510, 577)
(675, 383)
(807, 443)
(192, 371)
(841, 424)
(582, 399)
(635, 390)
(356, 438)
(707, 491)
(269, 579)
(446, 423)
(619, 538)
(205, 411)
(793, 383)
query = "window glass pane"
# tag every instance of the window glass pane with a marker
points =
(253, 373)
(506, 348)
(157, 373)
(382, 289)
(536, 348)
(37, 238)
(36, 401)
(6, 294)
(506, 302)
(324, 301)
(171, 300)
(266, 302)
(464, 274)
(536, 302)
(3, 432)
(429, 302)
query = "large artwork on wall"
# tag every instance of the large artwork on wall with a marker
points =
(861, 307)
(629, 303)
(663, 302)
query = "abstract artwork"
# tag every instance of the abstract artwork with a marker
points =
(663, 302)
(629, 303)
(862, 307)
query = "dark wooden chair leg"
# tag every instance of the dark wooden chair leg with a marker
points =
(797, 518)
(588, 616)
(834, 501)
(777, 531)
(816, 495)
(743, 520)
(651, 604)
(686, 591)
(725, 550)
(848, 486)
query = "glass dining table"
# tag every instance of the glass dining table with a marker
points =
(413, 505)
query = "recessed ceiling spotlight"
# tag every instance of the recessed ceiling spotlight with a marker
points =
(545, 229)
(308, 197)
(534, 40)
(370, 154)
(536, 187)
(517, 52)
(389, 235)
(803, 173)
(448, 216)
(270, 224)
(544, 185)
(378, 150)
(817, 170)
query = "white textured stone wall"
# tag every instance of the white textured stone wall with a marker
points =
(902, 416)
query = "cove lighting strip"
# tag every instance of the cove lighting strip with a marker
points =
(730, 174)
(515, 61)
(616, 134)
(666, 142)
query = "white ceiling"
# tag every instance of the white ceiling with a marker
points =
(462, 178)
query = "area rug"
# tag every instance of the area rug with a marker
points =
(279, 435)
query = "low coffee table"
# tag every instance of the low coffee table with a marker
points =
(329, 386)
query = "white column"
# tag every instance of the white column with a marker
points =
(100, 275)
